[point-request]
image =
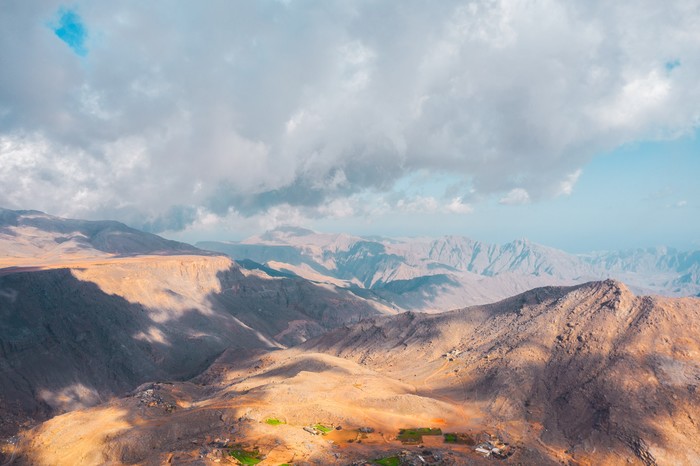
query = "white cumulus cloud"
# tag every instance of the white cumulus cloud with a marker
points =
(179, 113)
(516, 196)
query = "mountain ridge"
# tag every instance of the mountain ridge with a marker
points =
(91, 309)
(587, 374)
(30, 233)
(473, 272)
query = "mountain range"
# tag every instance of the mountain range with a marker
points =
(580, 375)
(121, 347)
(90, 310)
(438, 274)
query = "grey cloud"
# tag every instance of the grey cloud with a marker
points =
(250, 105)
(176, 218)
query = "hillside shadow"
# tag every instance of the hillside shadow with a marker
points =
(578, 392)
(66, 344)
(63, 336)
(416, 293)
(579, 410)
(270, 304)
(584, 399)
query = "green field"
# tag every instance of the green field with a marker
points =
(323, 429)
(415, 435)
(388, 461)
(459, 438)
(273, 421)
(246, 457)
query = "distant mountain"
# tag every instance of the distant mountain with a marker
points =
(452, 271)
(663, 270)
(26, 233)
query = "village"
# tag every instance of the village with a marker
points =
(415, 446)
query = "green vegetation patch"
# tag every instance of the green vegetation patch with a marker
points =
(323, 429)
(273, 421)
(415, 436)
(459, 438)
(388, 461)
(246, 457)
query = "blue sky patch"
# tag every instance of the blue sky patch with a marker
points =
(671, 64)
(71, 30)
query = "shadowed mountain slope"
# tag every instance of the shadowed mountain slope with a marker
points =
(80, 323)
(71, 337)
(590, 370)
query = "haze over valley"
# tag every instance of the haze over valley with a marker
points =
(438, 274)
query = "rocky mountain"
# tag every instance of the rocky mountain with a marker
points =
(109, 308)
(590, 371)
(588, 374)
(662, 270)
(450, 272)
(30, 233)
(137, 353)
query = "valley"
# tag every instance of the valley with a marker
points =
(439, 274)
(581, 375)
(172, 356)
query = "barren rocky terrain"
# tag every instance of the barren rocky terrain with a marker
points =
(589, 374)
(140, 354)
(79, 325)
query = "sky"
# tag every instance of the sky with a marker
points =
(570, 123)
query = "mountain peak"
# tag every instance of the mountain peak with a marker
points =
(68, 236)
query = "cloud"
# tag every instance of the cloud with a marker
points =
(566, 186)
(431, 205)
(516, 196)
(458, 206)
(178, 114)
(177, 218)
